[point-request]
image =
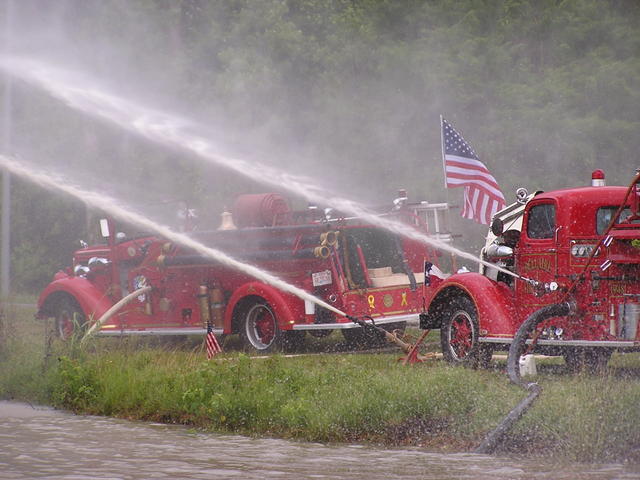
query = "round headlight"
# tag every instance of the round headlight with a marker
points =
(80, 270)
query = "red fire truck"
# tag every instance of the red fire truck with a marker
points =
(356, 267)
(575, 289)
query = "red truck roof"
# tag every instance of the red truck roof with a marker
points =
(577, 207)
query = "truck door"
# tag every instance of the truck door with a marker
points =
(536, 256)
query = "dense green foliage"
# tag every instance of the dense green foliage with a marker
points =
(347, 91)
(326, 398)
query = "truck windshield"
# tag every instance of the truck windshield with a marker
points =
(605, 214)
(378, 249)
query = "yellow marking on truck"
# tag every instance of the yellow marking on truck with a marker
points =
(372, 301)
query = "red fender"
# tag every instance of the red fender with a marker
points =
(287, 307)
(93, 302)
(494, 301)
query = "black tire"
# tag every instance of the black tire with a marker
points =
(69, 318)
(259, 328)
(459, 332)
(519, 344)
(591, 360)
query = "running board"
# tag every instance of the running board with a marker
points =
(412, 319)
(568, 343)
(157, 331)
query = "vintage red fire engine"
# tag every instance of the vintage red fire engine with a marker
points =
(575, 289)
(358, 268)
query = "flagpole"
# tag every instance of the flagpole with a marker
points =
(446, 188)
(444, 163)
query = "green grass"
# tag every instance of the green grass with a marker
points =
(324, 397)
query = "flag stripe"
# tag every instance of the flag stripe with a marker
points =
(462, 182)
(213, 347)
(470, 163)
(458, 170)
(482, 196)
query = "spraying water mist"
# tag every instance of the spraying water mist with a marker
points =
(110, 206)
(82, 94)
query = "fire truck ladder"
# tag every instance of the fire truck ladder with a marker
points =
(436, 217)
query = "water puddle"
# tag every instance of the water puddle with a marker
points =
(37, 442)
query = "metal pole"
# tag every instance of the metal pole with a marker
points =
(5, 225)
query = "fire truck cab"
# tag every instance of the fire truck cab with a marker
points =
(577, 246)
(360, 269)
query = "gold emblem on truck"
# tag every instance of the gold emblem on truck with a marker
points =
(387, 300)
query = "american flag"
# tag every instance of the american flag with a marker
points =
(213, 347)
(463, 168)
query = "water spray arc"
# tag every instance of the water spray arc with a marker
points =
(175, 132)
(111, 207)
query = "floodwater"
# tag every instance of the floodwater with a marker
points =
(37, 442)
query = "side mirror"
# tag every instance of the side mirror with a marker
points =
(104, 227)
(497, 227)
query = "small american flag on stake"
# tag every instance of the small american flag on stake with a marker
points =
(213, 347)
(463, 168)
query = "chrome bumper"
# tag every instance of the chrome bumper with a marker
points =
(410, 319)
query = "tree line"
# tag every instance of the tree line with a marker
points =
(346, 91)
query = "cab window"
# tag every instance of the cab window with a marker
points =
(542, 221)
(605, 214)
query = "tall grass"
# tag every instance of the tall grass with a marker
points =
(22, 355)
(324, 397)
(330, 398)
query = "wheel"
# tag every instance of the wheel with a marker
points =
(459, 332)
(574, 359)
(527, 328)
(519, 346)
(597, 359)
(260, 329)
(592, 360)
(69, 318)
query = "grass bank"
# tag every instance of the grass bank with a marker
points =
(325, 397)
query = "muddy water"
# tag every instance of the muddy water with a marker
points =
(43, 443)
